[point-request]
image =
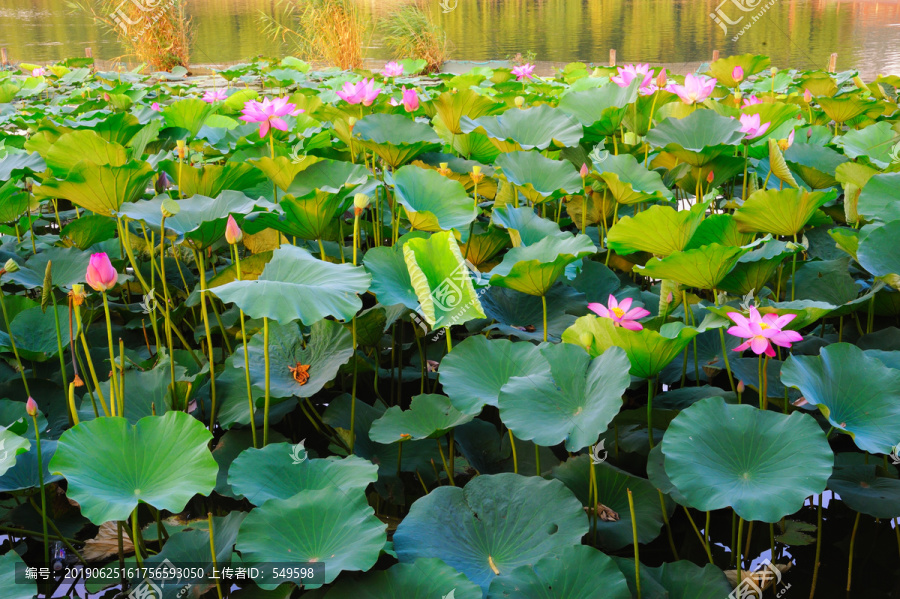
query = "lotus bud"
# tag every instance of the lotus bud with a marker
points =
(77, 294)
(162, 182)
(31, 407)
(584, 171)
(892, 280)
(661, 79)
(169, 208)
(100, 273)
(807, 96)
(477, 175)
(351, 122)
(11, 266)
(180, 148)
(710, 177)
(741, 386)
(737, 74)
(774, 71)
(520, 101)
(444, 170)
(360, 202)
(860, 83)
(233, 233)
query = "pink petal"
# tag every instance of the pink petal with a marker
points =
(759, 345)
(636, 313)
(279, 124)
(626, 304)
(263, 128)
(599, 309)
(632, 325)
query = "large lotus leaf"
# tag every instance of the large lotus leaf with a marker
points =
(671, 230)
(704, 267)
(756, 268)
(524, 225)
(677, 580)
(815, 164)
(875, 142)
(211, 179)
(433, 202)
(483, 244)
(781, 117)
(426, 578)
(720, 455)
(697, 138)
(478, 536)
(88, 230)
(395, 138)
(520, 315)
(879, 252)
(860, 487)
(612, 485)
(780, 212)
(880, 198)
(100, 188)
(390, 278)
(283, 169)
(857, 393)
(329, 176)
(111, 466)
(571, 398)
(35, 333)
(599, 110)
(540, 177)
(13, 589)
(537, 127)
(575, 572)
(721, 229)
(475, 371)
(533, 269)
(826, 281)
(330, 345)
(280, 471)
(429, 416)
(843, 109)
(451, 107)
(313, 216)
(751, 64)
(75, 146)
(630, 182)
(441, 280)
(21, 162)
(14, 202)
(187, 114)
(24, 474)
(328, 525)
(296, 286)
(200, 219)
(648, 351)
(11, 445)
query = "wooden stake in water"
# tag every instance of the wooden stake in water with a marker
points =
(715, 55)
(4, 57)
(832, 63)
(612, 57)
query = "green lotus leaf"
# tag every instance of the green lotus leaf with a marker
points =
(599, 110)
(878, 253)
(815, 164)
(330, 345)
(521, 316)
(781, 118)
(211, 179)
(478, 537)
(672, 230)
(14, 202)
(451, 107)
(296, 286)
(483, 244)
(826, 281)
(99, 188)
(477, 368)
(425, 578)
(703, 268)
(857, 393)
(34, 331)
(756, 268)
(395, 138)
(281, 470)
(571, 398)
(429, 416)
(656, 471)
(112, 466)
(24, 474)
(538, 127)
(780, 212)
(11, 445)
(697, 138)
(533, 269)
(677, 580)
(630, 182)
(539, 178)
(721, 229)
(20, 163)
(188, 114)
(441, 280)
(433, 202)
(751, 64)
(89, 230)
(283, 169)
(860, 487)
(391, 283)
(327, 175)
(524, 225)
(612, 485)
(154, 396)
(576, 572)
(328, 525)
(880, 198)
(9, 581)
(313, 216)
(843, 109)
(76, 146)
(648, 351)
(720, 455)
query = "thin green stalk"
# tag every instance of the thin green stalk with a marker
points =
(237, 266)
(444, 460)
(699, 536)
(267, 383)
(40, 468)
(212, 549)
(651, 387)
(59, 344)
(724, 348)
(209, 344)
(852, 544)
(537, 459)
(113, 383)
(353, 385)
(12, 342)
(665, 515)
(737, 549)
(544, 306)
(634, 534)
(794, 271)
(512, 444)
(90, 363)
(135, 538)
(56, 532)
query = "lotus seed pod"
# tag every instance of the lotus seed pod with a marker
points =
(520, 101)
(169, 208)
(11, 266)
(360, 201)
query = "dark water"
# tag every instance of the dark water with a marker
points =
(798, 33)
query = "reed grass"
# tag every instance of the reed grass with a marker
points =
(412, 31)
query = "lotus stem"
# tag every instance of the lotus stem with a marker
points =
(651, 387)
(812, 590)
(135, 537)
(852, 544)
(113, 384)
(794, 271)
(353, 387)
(59, 344)
(593, 500)
(121, 377)
(56, 532)
(237, 266)
(724, 348)
(209, 344)
(12, 342)
(212, 549)
(123, 235)
(737, 549)
(449, 341)
(665, 515)
(267, 383)
(162, 278)
(544, 306)
(697, 531)
(634, 534)
(40, 468)
(90, 363)
(537, 459)
(322, 250)
(764, 383)
(512, 444)
(444, 460)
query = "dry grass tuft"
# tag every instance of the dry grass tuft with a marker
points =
(412, 31)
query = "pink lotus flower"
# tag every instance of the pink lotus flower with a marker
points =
(38, 72)
(738, 74)
(100, 273)
(807, 96)
(761, 332)
(363, 92)
(751, 127)
(523, 72)
(155, 106)
(695, 89)
(620, 313)
(630, 72)
(585, 171)
(215, 95)
(410, 100)
(233, 233)
(751, 101)
(31, 407)
(392, 69)
(268, 114)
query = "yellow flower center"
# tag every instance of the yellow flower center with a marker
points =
(619, 312)
(763, 326)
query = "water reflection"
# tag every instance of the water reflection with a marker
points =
(801, 33)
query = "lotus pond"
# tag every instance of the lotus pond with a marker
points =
(614, 332)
